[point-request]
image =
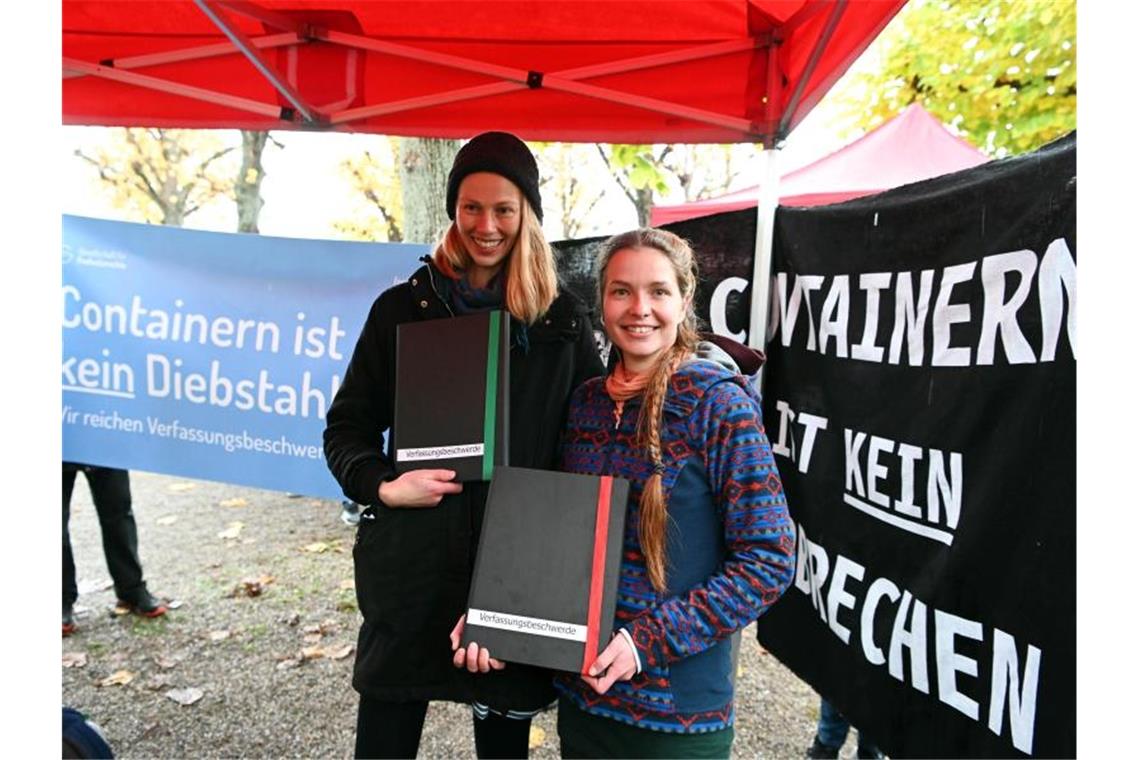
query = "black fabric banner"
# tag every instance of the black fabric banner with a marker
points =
(920, 394)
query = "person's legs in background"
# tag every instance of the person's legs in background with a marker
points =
(830, 732)
(70, 590)
(111, 493)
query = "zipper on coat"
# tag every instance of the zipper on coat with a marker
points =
(431, 284)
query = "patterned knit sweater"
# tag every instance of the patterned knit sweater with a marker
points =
(730, 548)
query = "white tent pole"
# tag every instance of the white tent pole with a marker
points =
(762, 255)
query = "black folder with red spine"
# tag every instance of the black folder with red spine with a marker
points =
(545, 583)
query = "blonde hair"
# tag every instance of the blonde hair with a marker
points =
(531, 283)
(651, 530)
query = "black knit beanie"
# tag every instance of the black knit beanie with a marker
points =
(499, 153)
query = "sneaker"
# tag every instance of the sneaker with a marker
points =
(68, 621)
(144, 604)
(820, 750)
(350, 513)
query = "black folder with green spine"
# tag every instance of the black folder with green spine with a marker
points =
(452, 394)
(544, 589)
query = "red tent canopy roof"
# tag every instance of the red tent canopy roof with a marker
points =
(575, 70)
(911, 147)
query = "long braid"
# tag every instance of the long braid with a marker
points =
(651, 531)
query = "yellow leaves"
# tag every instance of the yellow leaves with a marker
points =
(118, 678)
(537, 737)
(162, 175)
(234, 502)
(320, 547)
(232, 531)
(74, 659)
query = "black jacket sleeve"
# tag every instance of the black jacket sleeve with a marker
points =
(362, 410)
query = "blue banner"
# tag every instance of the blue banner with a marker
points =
(211, 355)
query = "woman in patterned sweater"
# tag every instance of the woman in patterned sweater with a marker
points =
(708, 544)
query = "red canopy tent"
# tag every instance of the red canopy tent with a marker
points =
(572, 70)
(625, 71)
(911, 147)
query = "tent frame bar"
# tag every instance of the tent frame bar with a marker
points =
(837, 9)
(271, 110)
(564, 81)
(242, 43)
(199, 52)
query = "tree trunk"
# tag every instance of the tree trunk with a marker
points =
(247, 188)
(424, 164)
(644, 205)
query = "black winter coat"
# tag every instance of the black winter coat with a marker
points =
(413, 566)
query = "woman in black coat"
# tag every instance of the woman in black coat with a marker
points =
(415, 547)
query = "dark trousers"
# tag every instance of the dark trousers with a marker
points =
(111, 492)
(393, 729)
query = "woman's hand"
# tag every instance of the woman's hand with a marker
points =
(418, 488)
(615, 663)
(474, 657)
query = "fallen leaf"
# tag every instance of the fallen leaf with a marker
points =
(179, 487)
(329, 625)
(311, 629)
(233, 530)
(312, 653)
(537, 737)
(174, 604)
(340, 652)
(293, 620)
(102, 584)
(292, 662)
(74, 659)
(237, 501)
(252, 586)
(159, 682)
(184, 697)
(167, 520)
(163, 661)
(219, 635)
(348, 585)
(317, 547)
(118, 678)
(312, 638)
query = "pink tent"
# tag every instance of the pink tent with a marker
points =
(912, 146)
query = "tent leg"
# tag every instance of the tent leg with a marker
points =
(762, 256)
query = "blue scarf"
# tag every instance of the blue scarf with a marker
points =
(467, 299)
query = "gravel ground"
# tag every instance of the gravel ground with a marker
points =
(262, 633)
